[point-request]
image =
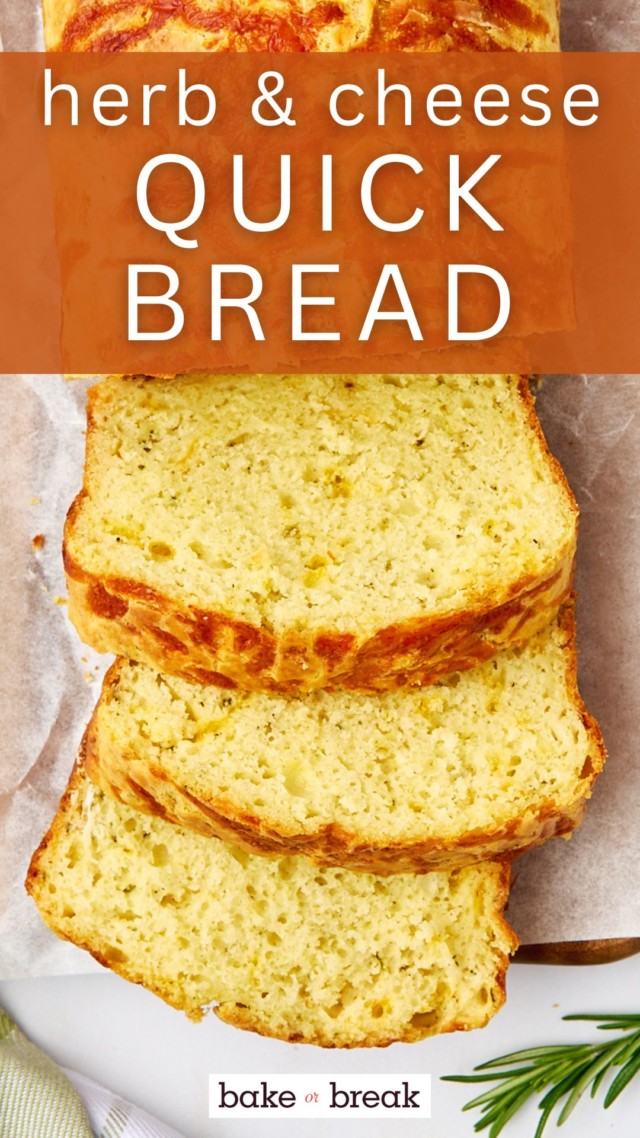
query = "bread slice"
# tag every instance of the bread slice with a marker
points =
(334, 958)
(304, 25)
(302, 532)
(490, 762)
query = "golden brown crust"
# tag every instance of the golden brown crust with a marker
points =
(235, 1013)
(308, 25)
(149, 788)
(331, 845)
(134, 620)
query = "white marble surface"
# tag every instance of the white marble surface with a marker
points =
(122, 1036)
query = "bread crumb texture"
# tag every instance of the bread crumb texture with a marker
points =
(319, 956)
(490, 761)
(323, 522)
(345, 502)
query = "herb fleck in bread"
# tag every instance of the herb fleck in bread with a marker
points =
(491, 762)
(307, 25)
(287, 535)
(329, 957)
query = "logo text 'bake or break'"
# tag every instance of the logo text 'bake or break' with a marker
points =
(320, 1096)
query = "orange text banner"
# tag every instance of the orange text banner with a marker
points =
(272, 213)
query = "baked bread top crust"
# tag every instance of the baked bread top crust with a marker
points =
(309, 25)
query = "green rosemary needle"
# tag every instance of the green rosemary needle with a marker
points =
(563, 1071)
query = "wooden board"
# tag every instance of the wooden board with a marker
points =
(578, 951)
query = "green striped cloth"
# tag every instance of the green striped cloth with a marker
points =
(36, 1100)
(39, 1100)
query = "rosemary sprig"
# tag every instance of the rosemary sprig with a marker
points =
(566, 1069)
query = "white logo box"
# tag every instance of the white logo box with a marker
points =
(320, 1096)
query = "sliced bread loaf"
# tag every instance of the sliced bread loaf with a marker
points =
(294, 533)
(329, 957)
(488, 762)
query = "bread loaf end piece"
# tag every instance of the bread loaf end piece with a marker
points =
(274, 945)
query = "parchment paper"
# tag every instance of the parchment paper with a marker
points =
(589, 887)
(49, 681)
(583, 889)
